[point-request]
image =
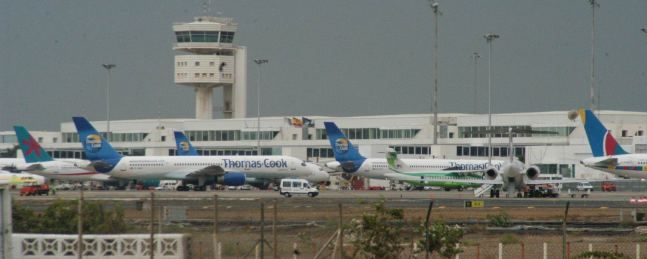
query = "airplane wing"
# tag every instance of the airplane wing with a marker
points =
(426, 179)
(212, 170)
(564, 180)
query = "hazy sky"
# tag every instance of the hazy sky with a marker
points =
(333, 57)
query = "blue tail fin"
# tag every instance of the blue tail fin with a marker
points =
(183, 145)
(31, 150)
(94, 146)
(341, 146)
(600, 139)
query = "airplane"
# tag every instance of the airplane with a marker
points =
(203, 170)
(349, 160)
(513, 176)
(402, 172)
(40, 163)
(185, 148)
(608, 155)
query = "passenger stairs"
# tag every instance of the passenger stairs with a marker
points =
(482, 190)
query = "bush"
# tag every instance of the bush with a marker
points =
(508, 239)
(61, 217)
(378, 234)
(442, 239)
(499, 220)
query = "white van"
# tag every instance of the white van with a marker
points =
(289, 187)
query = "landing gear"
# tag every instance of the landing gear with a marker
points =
(182, 188)
(494, 193)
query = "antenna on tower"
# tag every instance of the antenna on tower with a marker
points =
(206, 7)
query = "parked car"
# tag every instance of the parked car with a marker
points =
(584, 187)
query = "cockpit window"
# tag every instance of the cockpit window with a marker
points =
(303, 163)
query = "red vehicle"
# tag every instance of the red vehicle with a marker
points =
(608, 187)
(34, 190)
(376, 188)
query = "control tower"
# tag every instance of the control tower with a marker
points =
(211, 60)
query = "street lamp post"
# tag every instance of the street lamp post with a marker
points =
(259, 62)
(434, 8)
(108, 67)
(594, 4)
(489, 38)
(476, 57)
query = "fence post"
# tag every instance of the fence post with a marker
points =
(638, 251)
(216, 247)
(616, 247)
(295, 251)
(500, 251)
(458, 256)
(523, 251)
(545, 250)
(262, 242)
(590, 247)
(152, 241)
(478, 251)
(275, 241)
(568, 249)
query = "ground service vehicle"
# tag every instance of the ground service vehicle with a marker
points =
(34, 190)
(289, 187)
(584, 187)
(608, 187)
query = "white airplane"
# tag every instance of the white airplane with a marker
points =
(608, 155)
(37, 161)
(318, 174)
(203, 170)
(349, 160)
(513, 176)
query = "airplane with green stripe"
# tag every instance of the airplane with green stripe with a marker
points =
(429, 178)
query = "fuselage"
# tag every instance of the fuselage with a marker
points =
(627, 166)
(178, 167)
(378, 167)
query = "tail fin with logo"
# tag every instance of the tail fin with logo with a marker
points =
(94, 146)
(600, 139)
(183, 145)
(341, 146)
(394, 163)
(31, 150)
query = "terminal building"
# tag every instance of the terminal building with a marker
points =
(460, 137)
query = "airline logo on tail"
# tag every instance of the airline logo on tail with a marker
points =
(93, 143)
(31, 150)
(341, 145)
(600, 139)
(184, 146)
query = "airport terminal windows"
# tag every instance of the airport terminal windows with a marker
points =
(324, 152)
(269, 151)
(480, 132)
(412, 150)
(228, 135)
(484, 151)
(114, 137)
(372, 133)
(8, 139)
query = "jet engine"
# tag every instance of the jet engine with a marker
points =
(491, 173)
(532, 172)
(232, 179)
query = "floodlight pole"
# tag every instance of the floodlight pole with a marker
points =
(476, 57)
(434, 8)
(258, 62)
(489, 38)
(108, 67)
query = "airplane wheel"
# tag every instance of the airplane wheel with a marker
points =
(287, 195)
(460, 189)
(311, 194)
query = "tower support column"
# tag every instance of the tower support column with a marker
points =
(204, 103)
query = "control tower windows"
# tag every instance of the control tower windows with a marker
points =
(183, 36)
(227, 37)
